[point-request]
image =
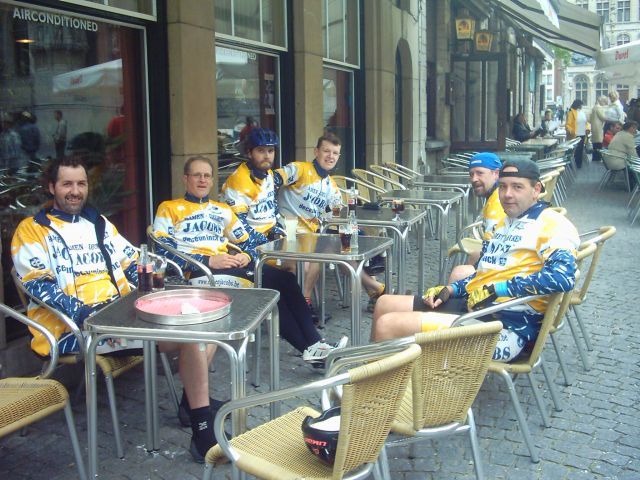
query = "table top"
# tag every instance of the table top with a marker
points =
(461, 181)
(422, 197)
(250, 306)
(506, 154)
(324, 248)
(547, 142)
(384, 217)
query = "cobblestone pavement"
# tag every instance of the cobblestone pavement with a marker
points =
(595, 436)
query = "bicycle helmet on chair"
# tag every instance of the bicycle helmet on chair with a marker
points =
(261, 137)
(321, 434)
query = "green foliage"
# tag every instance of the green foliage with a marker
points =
(563, 55)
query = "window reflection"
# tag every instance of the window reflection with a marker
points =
(337, 113)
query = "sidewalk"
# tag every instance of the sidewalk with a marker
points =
(595, 436)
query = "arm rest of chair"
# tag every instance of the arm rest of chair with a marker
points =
(71, 325)
(53, 344)
(204, 268)
(492, 309)
(266, 398)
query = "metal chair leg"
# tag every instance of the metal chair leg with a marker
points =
(475, 446)
(522, 421)
(256, 357)
(383, 463)
(585, 334)
(563, 366)
(539, 401)
(114, 415)
(71, 426)
(557, 401)
(581, 352)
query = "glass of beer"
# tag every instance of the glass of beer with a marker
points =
(159, 271)
(345, 237)
(397, 206)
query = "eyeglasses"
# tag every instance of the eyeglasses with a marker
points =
(200, 176)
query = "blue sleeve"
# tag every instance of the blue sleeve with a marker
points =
(250, 244)
(558, 274)
(48, 290)
(277, 180)
(184, 265)
(131, 272)
(260, 237)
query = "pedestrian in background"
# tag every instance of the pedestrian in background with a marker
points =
(577, 126)
(598, 119)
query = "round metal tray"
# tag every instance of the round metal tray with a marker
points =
(170, 302)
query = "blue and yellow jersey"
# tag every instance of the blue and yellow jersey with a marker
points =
(252, 199)
(305, 194)
(492, 214)
(200, 228)
(533, 255)
(59, 261)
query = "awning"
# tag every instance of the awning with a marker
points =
(103, 78)
(578, 31)
(621, 64)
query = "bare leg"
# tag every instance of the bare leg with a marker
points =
(460, 272)
(311, 275)
(392, 303)
(370, 284)
(402, 324)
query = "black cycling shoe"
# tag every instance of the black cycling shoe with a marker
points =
(183, 411)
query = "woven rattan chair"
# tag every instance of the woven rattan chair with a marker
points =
(367, 192)
(393, 174)
(24, 401)
(445, 383)
(371, 397)
(110, 366)
(412, 174)
(376, 179)
(614, 163)
(585, 251)
(525, 364)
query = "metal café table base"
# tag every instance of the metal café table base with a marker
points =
(400, 228)
(457, 183)
(323, 248)
(231, 333)
(442, 201)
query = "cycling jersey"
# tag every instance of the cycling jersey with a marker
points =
(253, 200)
(533, 254)
(200, 228)
(492, 213)
(59, 260)
(305, 192)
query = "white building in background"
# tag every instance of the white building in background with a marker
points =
(621, 24)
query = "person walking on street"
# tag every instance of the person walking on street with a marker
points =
(598, 119)
(577, 126)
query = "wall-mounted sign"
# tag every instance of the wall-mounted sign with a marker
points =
(56, 19)
(465, 28)
(483, 39)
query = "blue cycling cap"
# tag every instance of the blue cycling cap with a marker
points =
(486, 160)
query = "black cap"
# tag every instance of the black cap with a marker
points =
(525, 169)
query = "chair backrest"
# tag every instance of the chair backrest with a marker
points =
(394, 175)
(378, 180)
(366, 191)
(370, 402)
(549, 181)
(53, 344)
(412, 174)
(614, 160)
(548, 321)
(451, 369)
(601, 236)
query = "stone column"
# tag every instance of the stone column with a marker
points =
(192, 86)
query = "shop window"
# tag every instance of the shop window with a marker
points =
(246, 86)
(623, 93)
(337, 113)
(88, 74)
(341, 31)
(261, 21)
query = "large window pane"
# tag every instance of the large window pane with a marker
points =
(223, 16)
(337, 113)
(246, 86)
(459, 94)
(491, 89)
(341, 30)
(246, 18)
(474, 96)
(88, 74)
(261, 21)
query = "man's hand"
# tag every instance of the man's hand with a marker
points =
(243, 260)
(436, 296)
(481, 297)
(224, 260)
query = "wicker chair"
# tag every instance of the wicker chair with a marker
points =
(525, 364)
(366, 191)
(392, 174)
(110, 366)
(378, 180)
(614, 163)
(412, 174)
(371, 397)
(585, 251)
(445, 383)
(24, 401)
